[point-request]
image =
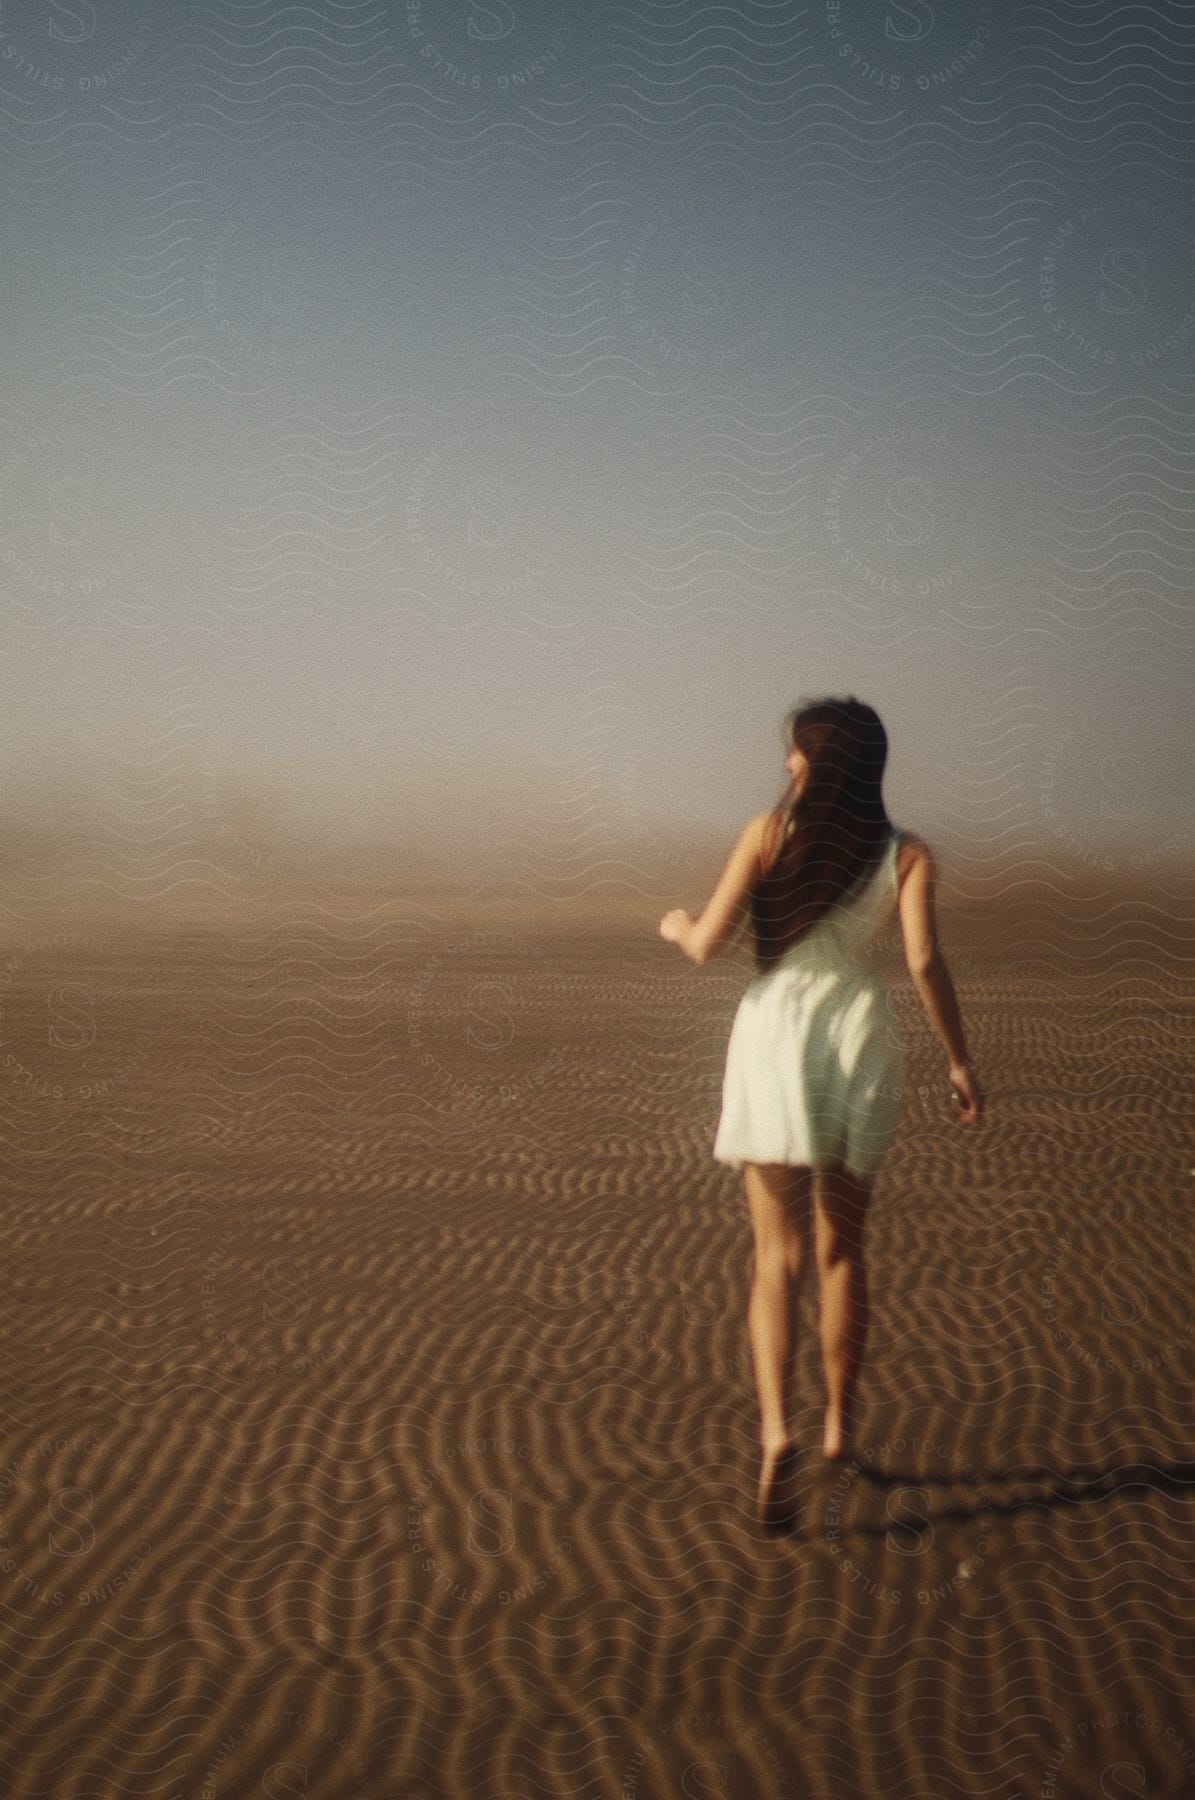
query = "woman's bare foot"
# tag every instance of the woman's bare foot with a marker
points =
(776, 1501)
(836, 1444)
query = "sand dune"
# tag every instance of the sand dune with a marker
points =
(379, 1418)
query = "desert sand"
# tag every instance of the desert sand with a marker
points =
(378, 1416)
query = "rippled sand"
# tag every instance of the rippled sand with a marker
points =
(379, 1418)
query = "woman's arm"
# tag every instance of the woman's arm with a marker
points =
(705, 938)
(931, 976)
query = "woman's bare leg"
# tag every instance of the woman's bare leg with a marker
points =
(780, 1201)
(841, 1212)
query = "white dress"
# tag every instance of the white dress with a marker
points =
(815, 1066)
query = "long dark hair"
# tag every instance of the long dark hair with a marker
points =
(832, 834)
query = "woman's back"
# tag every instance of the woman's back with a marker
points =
(815, 1064)
(854, 934)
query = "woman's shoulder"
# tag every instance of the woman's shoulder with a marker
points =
(911, 849)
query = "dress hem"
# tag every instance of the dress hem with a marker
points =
(737, 1163)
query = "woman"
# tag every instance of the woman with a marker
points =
(813, 1086)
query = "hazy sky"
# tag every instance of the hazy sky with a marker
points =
(501, 413)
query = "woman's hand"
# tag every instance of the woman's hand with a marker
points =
(674, 925)
(966, 1094)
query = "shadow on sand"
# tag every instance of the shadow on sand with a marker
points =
(1052, 1488)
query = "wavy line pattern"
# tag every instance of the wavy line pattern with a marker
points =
(257, 1301)
(525, 386)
